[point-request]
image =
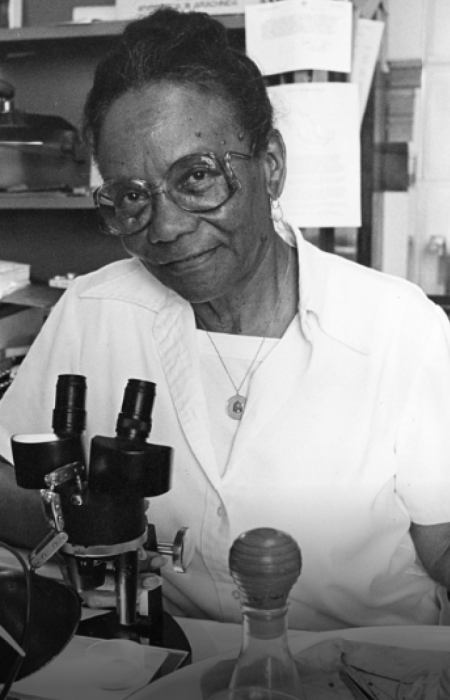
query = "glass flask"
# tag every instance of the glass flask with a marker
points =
(264, 563)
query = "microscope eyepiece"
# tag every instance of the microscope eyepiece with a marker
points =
(69, 415)
(134, 421)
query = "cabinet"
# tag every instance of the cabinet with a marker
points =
(51, 68)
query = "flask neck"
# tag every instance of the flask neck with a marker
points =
(264, 625)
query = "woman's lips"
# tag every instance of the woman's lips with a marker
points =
(190, 262)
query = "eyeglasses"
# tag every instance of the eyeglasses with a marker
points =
(199, 182)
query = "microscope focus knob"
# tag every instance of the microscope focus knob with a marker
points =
(181, 550)
(265, 563)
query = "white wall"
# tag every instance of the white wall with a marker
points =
(420, 29)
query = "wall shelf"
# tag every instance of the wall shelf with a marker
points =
(38, 295)
(39, 36)
(44, 201)
(63, 31)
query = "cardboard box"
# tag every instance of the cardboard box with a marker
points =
(131, 9)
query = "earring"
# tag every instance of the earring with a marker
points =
(276, 213)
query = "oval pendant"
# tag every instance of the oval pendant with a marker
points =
(236, 406)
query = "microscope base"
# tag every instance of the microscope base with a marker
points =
(167, 634)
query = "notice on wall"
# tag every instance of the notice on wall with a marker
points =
(320, 125)
(300, 35)
(367, 45)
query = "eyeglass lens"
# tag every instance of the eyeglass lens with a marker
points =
(195, 183)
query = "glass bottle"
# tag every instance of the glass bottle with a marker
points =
(264, 563)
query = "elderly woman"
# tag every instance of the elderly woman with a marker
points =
(298, 390)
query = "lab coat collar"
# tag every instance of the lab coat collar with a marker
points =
(324, 292)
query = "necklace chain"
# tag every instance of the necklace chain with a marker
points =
(236, 404)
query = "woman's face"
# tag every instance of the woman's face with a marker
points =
(200, 256)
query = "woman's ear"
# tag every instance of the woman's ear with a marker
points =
(275, 164)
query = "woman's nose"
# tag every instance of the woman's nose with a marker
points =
(169, 221)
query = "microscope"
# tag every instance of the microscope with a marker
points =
(96, 506)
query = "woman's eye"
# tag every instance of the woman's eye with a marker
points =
(198, 178)
(201, 174)
(132, 198)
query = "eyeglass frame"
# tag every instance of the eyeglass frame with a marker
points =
(224, 161)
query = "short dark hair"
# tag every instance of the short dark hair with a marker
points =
(189, 48)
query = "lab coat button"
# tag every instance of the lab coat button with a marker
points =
(220, 511)
(236, 595)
